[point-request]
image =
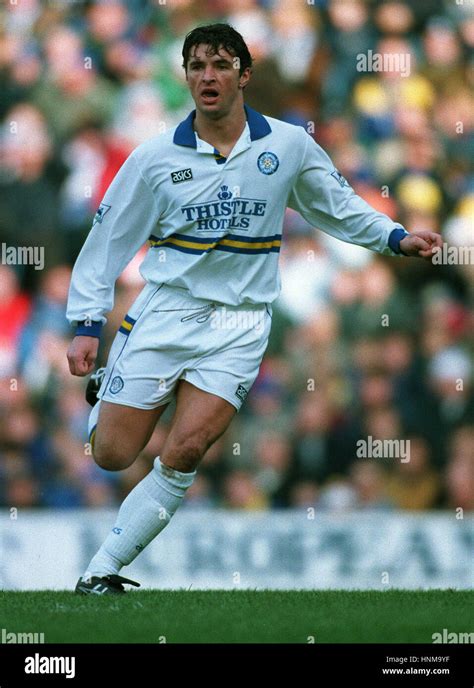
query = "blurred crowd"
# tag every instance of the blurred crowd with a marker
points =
(361, 346)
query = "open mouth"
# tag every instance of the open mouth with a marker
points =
(209, 95)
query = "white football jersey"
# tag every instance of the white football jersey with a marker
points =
(214, 224)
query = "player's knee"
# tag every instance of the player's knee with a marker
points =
(111, 458)
(187, 450)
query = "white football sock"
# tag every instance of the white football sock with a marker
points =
(143, 514)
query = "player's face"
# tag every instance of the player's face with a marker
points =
(214, 80)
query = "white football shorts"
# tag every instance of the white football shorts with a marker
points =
(168, 335)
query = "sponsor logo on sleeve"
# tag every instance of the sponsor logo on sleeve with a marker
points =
(339, 178)
(101, 212)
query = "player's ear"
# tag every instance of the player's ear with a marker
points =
(245, 77)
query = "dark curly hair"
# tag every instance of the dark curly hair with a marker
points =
(218, 36)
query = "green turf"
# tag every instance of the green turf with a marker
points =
(392, 616)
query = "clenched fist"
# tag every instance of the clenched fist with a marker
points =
(82, 354)
(421, 243)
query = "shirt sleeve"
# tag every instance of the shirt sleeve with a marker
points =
(124, 221)
(325, 199)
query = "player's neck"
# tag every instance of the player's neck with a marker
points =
(221, 133)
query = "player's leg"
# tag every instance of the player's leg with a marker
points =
(200, 418)
(209, 392)
(121, 433)
(117, 434)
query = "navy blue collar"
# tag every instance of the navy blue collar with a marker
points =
(258, 125)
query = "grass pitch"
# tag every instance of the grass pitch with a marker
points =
(239, 616)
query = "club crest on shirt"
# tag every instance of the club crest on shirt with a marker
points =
(339, 178)
(101, 211)
(268, 163)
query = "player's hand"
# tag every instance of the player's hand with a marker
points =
(82, 354)
(421, 243)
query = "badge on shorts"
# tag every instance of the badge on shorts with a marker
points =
(116, 385)
(241, 392)
(268, 163)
